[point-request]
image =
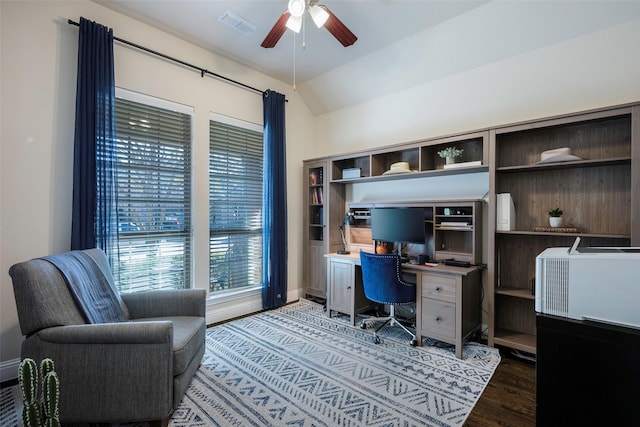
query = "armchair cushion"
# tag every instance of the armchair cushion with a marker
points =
(188, 337)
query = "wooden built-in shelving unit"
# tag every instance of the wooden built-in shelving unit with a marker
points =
(599, 194)
(596, 193)
(422, 157)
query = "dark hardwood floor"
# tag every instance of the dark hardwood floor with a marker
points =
(510, 397)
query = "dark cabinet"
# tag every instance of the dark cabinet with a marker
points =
(587, 373)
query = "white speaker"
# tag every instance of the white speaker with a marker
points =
(505, 212)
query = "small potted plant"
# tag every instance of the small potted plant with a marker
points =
(450, 154)
(555, 217)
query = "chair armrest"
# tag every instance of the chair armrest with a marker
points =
(109, 373)
(155, 332)
(177, 302)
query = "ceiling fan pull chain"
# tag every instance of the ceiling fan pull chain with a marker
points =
(304, 33)
(294, 62)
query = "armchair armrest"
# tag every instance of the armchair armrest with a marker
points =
(155, 332)
(105, 368)
(178, 302)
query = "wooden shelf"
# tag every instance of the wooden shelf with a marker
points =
(565, 165)
(545, 233)
(516, 340)
(413, 175)
(515, 292)
(441, 242)
(421, 156)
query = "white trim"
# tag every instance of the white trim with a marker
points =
(248, 306)
(233, 294)
(130, 95)
(217, 314)
(9, 369)
(232, 121)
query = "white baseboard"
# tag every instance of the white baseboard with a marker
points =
(216, 313)
(9, 370)
(241, 307)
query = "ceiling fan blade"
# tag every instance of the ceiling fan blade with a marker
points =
(338, 29)
(277, 31)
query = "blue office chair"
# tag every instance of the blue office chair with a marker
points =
(383, 283)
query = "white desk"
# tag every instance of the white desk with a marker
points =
(447, 298)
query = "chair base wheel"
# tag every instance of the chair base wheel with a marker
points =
(413, 343)
(376, 339)
(363, 325)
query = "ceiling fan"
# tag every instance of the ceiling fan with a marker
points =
(321, 16)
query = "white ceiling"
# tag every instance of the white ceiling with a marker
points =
(401, 43)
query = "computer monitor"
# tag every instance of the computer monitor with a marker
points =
(399, 225)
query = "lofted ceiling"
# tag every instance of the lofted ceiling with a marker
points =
(401, 43)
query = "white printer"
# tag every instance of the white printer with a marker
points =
(601, 284)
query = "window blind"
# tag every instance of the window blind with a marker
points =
(235, 206)
(154, 197)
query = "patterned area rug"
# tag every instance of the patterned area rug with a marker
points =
(295, 366)
(10, 406)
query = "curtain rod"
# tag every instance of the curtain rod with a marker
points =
(186, 64)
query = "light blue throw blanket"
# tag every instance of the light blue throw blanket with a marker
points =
(89, 287)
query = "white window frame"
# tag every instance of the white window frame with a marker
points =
(184, 109)
(248, 291)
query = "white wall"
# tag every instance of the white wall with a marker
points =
(38, 75)
(594, 70)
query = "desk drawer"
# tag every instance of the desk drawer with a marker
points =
(439, 287)
(438, 317)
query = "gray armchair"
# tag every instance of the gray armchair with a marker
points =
(133, 370)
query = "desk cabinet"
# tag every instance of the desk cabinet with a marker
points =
(341, 284)
(448, 306)
(343, 295)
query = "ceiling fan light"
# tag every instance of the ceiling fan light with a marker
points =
(319, 15)
(294, 23)
(296, 7)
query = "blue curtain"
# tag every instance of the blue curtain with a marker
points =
(274, 237)
(94, 217)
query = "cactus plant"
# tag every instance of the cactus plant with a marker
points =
(42, 411)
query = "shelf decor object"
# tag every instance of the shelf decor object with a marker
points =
(555, 217)
(547, 229)
(461, 164)
(450, 154)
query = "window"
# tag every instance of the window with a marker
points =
(235, 204)
(154, 193)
